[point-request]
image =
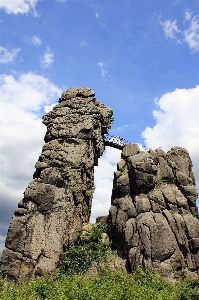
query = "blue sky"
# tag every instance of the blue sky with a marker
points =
(141, 57)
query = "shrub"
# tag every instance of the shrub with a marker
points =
(81, 257)
(141, 285)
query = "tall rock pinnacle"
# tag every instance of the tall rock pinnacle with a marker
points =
(58, 201)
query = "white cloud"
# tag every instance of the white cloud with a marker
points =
(47, 59)
(103, 67)
(192, 34)
(188, 35)
(21, 99)
(61, 1)
(28, 91)
(8, 56)
(170, 29)
(97, 15)
(104, 174)
(48, 108)
(19, 6)
(177, 124)
(35, 40)
(188, 15)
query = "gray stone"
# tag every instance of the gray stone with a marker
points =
(126, 204)
(102, 219)
(168, 192)
(190, 193)
(142, 162)
(180, 157)
(142, 203)
(164, 171)
(183, 179)
(157, 197)
(130, 149)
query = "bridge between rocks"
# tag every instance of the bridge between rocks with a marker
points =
(115, 141)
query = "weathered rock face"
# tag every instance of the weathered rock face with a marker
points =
(58, 201)
(153, 213)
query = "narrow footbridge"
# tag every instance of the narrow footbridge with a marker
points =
(115, 141)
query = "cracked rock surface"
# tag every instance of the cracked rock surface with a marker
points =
(58, 201)
(153, 215)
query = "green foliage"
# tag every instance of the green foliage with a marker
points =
(151, 279)
(170, 164)
(196, 215)
(80, 258)
(97, 231)
(189, 290)
(141, 285)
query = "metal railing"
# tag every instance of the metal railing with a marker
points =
(115, 141)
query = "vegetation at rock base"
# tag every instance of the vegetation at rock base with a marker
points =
(72, 282)
(80, 258)
(114, 286)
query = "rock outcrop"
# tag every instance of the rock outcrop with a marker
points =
(153, 215)
(58, 201)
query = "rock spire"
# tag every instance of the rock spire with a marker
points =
(58, 201)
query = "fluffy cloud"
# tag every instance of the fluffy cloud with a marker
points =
(189, 35)
(47, 59)
(22, 99)
(177, 124)
(104, 71)
(104, 173)
(19, 6)
(8, 56)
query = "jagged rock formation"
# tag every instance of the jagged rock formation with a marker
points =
(58, 201)
(153, 216)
